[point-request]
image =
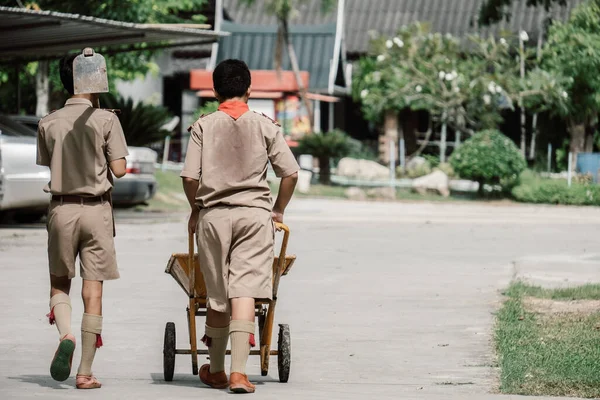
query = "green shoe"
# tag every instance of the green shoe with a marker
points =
(60, 369)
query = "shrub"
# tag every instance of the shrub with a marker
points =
(325, 146)
(489, 157)
(361, 151)
(534, 189)
(415, 172)
(447, 169)
(142, 123)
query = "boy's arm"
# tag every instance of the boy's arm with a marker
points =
(286, 191)
(43, 158)
(190, 187)
(285, 167)
(192, 170)
(116, 147)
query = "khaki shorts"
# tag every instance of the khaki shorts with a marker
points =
(84, 230)
(235, 251)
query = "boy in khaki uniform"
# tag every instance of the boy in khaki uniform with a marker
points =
(224, 178)
(80, 143)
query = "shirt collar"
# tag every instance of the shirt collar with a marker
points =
(73, 101)
(234, 109)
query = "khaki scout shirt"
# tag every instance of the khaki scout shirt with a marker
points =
(77, 142)
(230, 156)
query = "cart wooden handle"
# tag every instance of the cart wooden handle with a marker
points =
(280, 268)
(191, 265)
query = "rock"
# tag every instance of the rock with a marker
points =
(382, 193)
(362, 169)
(437, 181)
(463, 185)
(355, 193)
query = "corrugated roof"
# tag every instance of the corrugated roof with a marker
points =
(385, 17)
(31, 35)
(255, 44)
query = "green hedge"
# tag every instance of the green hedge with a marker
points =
(489, 157)
(534, 189)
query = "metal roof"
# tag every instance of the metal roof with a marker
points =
(386, 17)
(33, 35)
(255, 44)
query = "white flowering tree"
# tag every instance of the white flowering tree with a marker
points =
(415, 70)
(509, 76)
(465, 87)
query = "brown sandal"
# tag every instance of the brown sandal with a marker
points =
(87, 382)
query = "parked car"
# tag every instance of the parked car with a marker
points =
(138, 186)
(21, 180)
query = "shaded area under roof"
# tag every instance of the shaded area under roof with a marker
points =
(255, 44)
(386, 17)
(32, 35)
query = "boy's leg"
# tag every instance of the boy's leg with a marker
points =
(98, 264)
(216, 336)
(250, 277)
(63, 233)
(60, 304)
(214, 238)
(60, 314)
(91, 330)
(242, 329)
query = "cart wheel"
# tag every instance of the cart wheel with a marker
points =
(169, 352)
(284, 352)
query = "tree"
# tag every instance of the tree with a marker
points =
(126, 66)
(493, 11)
(325, 147)
(573, 50)
(466, 90)
(285, 11)
(417, 70)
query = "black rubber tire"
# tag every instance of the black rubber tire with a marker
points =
(284, 353)
(169, 351)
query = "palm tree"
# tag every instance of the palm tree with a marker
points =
(284, 10)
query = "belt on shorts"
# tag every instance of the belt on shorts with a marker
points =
(81, 199)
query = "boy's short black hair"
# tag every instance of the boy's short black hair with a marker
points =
(231, 79)
(66, 72)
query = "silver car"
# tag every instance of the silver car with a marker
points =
(21, 180)
(138, 186)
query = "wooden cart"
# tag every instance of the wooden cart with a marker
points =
(192, 283)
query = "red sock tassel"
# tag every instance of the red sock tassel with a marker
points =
(98, 340)
(206, 340)
(51, 318)
(252, 340)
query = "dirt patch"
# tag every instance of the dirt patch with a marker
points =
(548, 306)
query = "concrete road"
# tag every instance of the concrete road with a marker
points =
(386, 301)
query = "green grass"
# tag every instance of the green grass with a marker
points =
(548, 355)
(169, 185)
(586, 292)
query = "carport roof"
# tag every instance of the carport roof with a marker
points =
(29, 35)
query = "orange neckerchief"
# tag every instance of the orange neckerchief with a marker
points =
(234, 109)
